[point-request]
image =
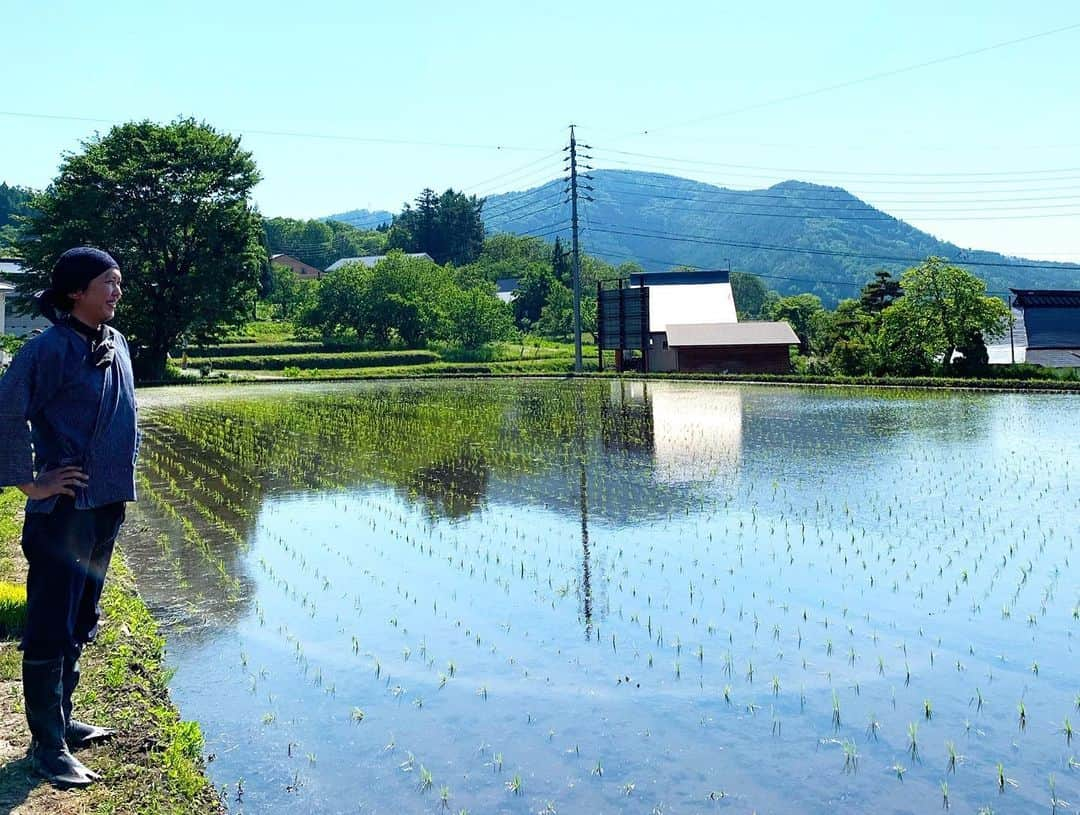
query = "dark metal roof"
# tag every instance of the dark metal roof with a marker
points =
(680, 278)
(1046, 298)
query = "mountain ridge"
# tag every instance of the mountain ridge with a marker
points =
(798, 236)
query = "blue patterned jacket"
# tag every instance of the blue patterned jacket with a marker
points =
(57, 409)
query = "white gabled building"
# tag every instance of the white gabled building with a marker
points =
(12, 322)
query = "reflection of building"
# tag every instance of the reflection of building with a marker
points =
(1052, 326)
(696, 434)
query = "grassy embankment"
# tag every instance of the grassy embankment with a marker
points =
(155, 763)
(270, 351)
(316, 360)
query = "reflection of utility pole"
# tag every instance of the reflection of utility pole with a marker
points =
(583, 497)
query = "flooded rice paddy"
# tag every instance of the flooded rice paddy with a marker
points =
(541, 597)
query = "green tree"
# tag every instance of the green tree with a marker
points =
(534, 286)
(286, 291)
(799, 311)
(343, 302)
(751, 295)
(849, 339)
(880, 293)
(557, 315)
(943, 308)
(448, 227)
(172, 204)
(562, 263)
(476, 316)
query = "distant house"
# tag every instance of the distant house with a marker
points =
(303, 270)
(5, 290)
(1051, 319)
(754, 347)
(506, 288)
(371, 260)
(686, 321)
(11, 322)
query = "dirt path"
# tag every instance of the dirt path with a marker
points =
(21, 792)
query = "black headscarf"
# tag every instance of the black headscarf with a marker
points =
(72, 273)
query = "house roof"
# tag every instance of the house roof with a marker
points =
(680, 278)
(371, 260)
(5, 287)
(1046, 298)
(719, 334)
(10, 266)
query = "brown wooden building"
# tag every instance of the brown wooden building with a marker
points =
(303, 270)
(754, 347)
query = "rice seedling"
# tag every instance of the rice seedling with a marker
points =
(945, 794)
(515, 785)
(851, 756)
(872, 728)
(426, 780)
(954, 758)
(913, 740)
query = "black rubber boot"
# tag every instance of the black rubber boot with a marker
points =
(43, 692)
(78, 734)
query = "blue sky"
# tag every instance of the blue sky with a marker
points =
(983, 150)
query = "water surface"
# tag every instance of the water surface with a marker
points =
(570, 597)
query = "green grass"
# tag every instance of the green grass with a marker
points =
(12, 609)
(11, 504)
(321, 360)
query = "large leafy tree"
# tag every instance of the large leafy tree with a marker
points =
(943, 308)
(172, 204)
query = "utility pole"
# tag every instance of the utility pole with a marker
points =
(573, 148)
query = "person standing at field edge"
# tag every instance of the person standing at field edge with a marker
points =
(68, 440)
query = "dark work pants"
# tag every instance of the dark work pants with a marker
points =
(68, 551)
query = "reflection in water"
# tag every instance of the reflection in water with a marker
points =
(454, 487)
(383, 560)
(583, 490)
(691, 439)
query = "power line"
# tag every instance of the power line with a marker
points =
(515, 171)
(606, 176)
(839, 172)
(614, 229)
(773, 211)
(858, 81)
(905, 183)
(842, 196)
(851, 203)
(298, 134)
